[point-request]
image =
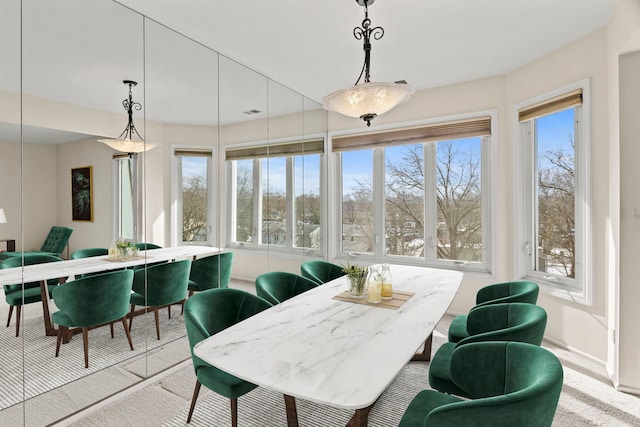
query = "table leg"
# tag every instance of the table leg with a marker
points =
(361, 417)
(49, 329)
(292, 412)
(425, 356)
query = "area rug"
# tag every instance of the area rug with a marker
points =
(44, 372)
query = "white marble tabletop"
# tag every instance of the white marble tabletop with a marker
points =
(68, 268)
(333, 352)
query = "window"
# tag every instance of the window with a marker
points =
(194, 195)
(417, 195)
(555, 228)
(125, 184)
(275, 196)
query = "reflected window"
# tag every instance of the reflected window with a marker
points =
(194, 196)
(275, 195)
(357, 201)
(125, 173)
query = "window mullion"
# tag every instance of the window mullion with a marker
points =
(379, 202)
(290, 199)
(431, 204)
(257, 202)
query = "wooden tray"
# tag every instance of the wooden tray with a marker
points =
(399, 298)
(133, 258)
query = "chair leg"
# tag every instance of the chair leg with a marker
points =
(111, 327)
(10, 313)
(425, 356)
(157, 316)
(234, 412)
(126, 331)
(193, 400)
(85, 343)
(169, 310)
(18, 316)
(133, 307)
(62, 330)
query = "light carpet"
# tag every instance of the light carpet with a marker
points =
(585, 401)
(44, 372)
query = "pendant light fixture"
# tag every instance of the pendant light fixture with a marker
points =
(129, 140)
(368, 99)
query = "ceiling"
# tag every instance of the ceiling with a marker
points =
(306, 46)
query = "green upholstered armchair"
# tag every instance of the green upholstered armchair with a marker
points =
(321, 271)
(92, 301)
(19, 294)
(495, 322)
(89, 252)
(509, 383)
(210, 272)
(205, 314)
(54, 244)
(144, 246)
(519, 291)
(279, 286)
(158, 286)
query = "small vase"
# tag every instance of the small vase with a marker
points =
(357, 285)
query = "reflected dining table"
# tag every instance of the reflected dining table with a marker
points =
(68, 268)
(323, 347)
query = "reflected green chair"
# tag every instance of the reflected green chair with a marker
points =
(92, 301)
(499, 293)
(18, 295)
(205, 314)
(160, 285)
(516, 321)
(53, 244)
(321, 271)
(89, 252)
(210, 272)
(144, 246)
(509, 384)
(279, 286)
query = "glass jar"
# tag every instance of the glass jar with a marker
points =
(113, 251)
(374, 295)
(386, 286)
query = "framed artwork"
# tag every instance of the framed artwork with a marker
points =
(82, 193)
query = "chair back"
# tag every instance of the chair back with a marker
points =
(506, 322)
(28, 260)
(511, 383)
(163, 284)
(89, 252)
(213, 271)
(56, 240)
(95, 300)
(279, 286)
(320, 271)
(207, 313)
(144, 246)
(518, 291)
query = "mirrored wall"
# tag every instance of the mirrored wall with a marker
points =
(61, 89)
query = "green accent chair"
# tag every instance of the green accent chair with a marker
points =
(499, 293)
(205, 314)
(144, 246)
(515, 321)
(92, 301)
(89, 252)
(509, 383)
(321, 271)
(279, 286)
(210, 272)
(160, 285)
(27, 293)
(53, 244)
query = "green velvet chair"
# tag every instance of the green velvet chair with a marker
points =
(321, 271)
(144, 246)
(519, 291)
(495, 322)
(89, 252)
(279, 286)
(53, 244)
(18, 295)
(160, 285)
(210, 272)
(92, 301)
(509, 384)
(205, 314)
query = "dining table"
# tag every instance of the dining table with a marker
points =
(67, 269)
(326, 347)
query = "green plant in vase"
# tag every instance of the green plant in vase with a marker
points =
(357, 277)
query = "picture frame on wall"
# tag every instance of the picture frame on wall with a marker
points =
(82, 193)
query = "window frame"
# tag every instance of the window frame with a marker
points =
(176, 192)
(117, 194)
(578, 289)
(257, 169)
(487, 158)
